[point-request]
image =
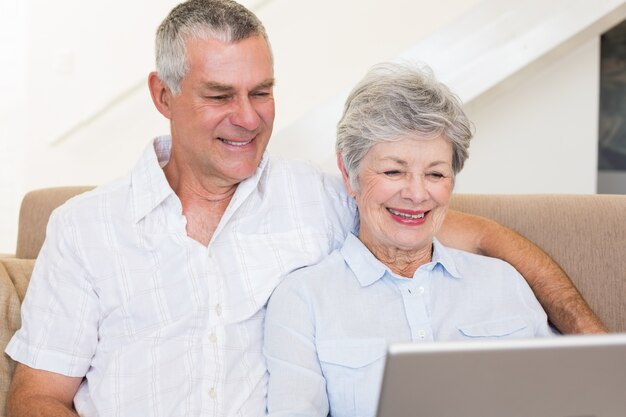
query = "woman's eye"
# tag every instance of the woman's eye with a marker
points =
(436, 175)
(392, 172)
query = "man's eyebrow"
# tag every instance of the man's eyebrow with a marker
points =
(226, 88)
(223, 88)
(266, 84)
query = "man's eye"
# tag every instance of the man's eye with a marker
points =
(218, 98)
(261, 94)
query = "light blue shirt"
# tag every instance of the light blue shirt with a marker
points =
(327, 326)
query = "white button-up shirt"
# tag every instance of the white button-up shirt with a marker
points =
(159, 324)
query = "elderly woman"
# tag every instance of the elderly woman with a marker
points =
(400, 143)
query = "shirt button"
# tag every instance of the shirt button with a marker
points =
(213, 338)
(212, 393)
(218, 309)
(421, 334)
(420, 290)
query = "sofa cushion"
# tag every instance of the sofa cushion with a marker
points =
(14, 276)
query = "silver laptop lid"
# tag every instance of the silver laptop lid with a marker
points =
(567, 376)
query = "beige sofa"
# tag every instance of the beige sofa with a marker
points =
(585, 234)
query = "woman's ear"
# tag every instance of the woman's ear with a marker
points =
(344, 175)
(161, 94)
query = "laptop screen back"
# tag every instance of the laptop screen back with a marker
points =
(568, 376)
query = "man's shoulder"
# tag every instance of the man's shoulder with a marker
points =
(296, 167)
(308, 176)
(90, 203)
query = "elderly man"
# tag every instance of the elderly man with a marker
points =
(149, 294)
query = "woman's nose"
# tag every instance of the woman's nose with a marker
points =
(414, 189)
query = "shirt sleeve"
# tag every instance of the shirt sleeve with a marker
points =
(296, 384)
(60, 313)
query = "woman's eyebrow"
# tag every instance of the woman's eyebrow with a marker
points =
(435, 163)
(395, 159)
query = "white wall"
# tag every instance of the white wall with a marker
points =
(62, 63)
(322, 47)
(76, 109)
(535, 133)
(539, 133)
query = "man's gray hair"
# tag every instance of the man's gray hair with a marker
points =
(396, 101)
(223, 20)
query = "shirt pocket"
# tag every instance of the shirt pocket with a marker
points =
(509, 327)
(353, 370)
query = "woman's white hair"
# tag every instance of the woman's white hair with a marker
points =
(396, 101)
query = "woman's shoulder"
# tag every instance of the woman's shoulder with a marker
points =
(467, 261)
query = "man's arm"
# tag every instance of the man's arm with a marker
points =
(37, 393)
(565, 307)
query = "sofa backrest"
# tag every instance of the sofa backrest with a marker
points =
(34, 212)
(584, 234)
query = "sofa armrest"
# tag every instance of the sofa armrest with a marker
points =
(14, 277)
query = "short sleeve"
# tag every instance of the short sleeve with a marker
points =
(60, 313)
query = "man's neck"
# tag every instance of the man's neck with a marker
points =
(204, 202)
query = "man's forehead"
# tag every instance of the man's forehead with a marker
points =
(202, 43)
(224, 66)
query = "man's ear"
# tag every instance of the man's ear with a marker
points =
(344, 175)
(161, 94)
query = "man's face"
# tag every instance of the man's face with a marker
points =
(222, 119)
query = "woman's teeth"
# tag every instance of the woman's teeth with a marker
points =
(406, 216)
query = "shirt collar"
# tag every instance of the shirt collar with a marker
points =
(148, 183)
(150, 187)
(368, 269)
(443, 257)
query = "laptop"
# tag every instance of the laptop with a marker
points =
(565, 376)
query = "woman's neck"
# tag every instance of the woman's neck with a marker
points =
(399, 261)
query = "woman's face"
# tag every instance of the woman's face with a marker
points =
(403, 195)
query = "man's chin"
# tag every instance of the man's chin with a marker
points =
(242, 173)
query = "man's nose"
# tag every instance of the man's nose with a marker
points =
(244, 114)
